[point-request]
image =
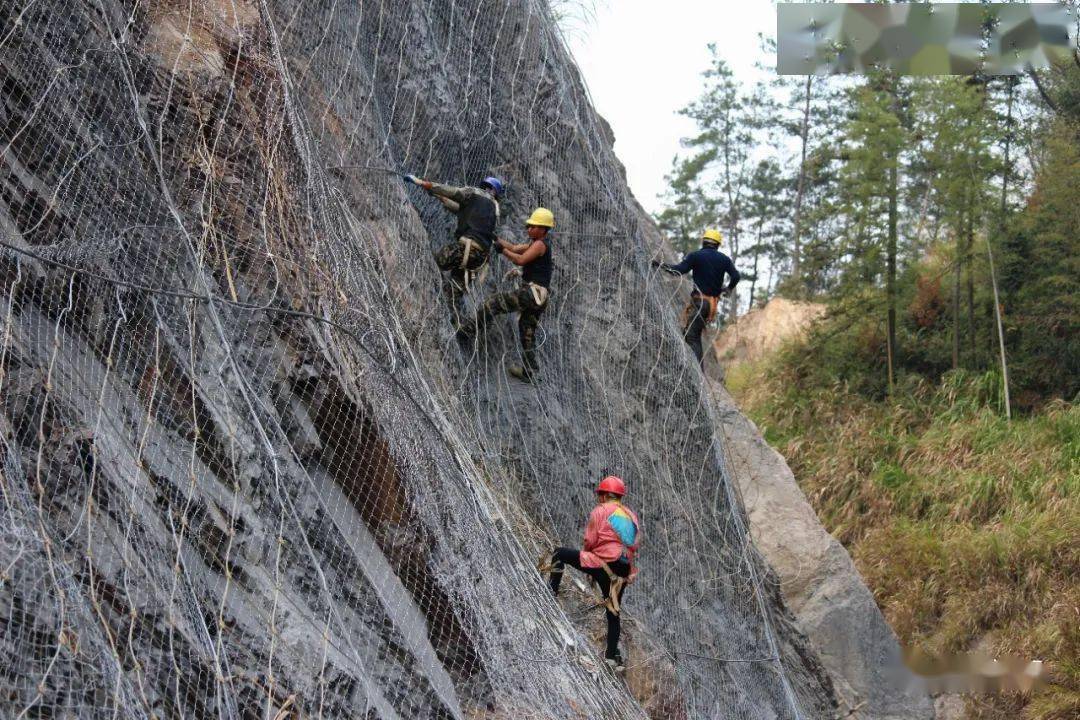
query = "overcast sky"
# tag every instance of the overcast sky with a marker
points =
(643, 60)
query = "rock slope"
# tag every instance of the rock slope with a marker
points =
(831, 603)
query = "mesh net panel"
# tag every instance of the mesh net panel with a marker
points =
(249, 470)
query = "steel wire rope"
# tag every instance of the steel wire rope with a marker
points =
(56, 335)
(626, 373)
(501, 382)
(353, 45)
(51, 564)
(731, 508)
(241, 385)
(538, 474)
(726, 484)
(12, 469)
(40, 486)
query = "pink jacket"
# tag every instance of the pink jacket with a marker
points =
(611, 532)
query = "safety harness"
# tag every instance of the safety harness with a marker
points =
(714, 303)
(469, 276)
(469, 245)
(615, 586)
(539, 294)
(616, 583)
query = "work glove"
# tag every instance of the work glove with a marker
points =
(512, 273)
(412, 180)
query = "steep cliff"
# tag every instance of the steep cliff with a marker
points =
(818, 579)
(247, 469)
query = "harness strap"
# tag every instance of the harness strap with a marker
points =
(471, 275)
(615, 585)
(469, 244)
(539, 293)
(615, 582)
(713, 301)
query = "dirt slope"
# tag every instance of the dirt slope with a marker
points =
(763, 330)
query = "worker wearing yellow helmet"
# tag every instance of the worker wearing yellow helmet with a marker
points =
(531, 298)
(712, 237)
(708, 267)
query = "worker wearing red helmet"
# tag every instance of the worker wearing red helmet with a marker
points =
(611, 541)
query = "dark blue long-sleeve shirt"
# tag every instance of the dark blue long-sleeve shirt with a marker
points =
(708, 266)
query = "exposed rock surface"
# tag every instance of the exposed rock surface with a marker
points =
(950, 707)
(832, 604)
(762, 330)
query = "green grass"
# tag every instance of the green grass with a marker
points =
(965, 525)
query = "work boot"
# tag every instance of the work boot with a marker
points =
(616, 663)
(521, 373)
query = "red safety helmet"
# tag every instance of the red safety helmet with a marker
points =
(613, 485)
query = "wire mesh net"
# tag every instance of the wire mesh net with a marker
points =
(248, 468)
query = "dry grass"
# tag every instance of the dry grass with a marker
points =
(965, 526)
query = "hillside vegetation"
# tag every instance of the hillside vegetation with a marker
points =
(963, 523)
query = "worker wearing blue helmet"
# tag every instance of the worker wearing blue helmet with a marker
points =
(477, 210)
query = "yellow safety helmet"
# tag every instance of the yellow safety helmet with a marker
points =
(541, 217)
(712, 235)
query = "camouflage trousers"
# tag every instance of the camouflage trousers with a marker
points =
(524, 302)
(451, 259)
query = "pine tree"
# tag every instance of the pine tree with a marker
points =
(688, 208)
(875, 138)
(957, 129)
(721, 148)
(765, 213)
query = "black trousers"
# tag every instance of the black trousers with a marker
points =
(697, 319)
(569, 556)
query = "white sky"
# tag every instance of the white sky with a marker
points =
(642, 61)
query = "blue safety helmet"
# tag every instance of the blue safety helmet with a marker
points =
(495, 184)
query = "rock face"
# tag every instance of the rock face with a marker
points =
(818, 580)
(763, 330)
(247, 469)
